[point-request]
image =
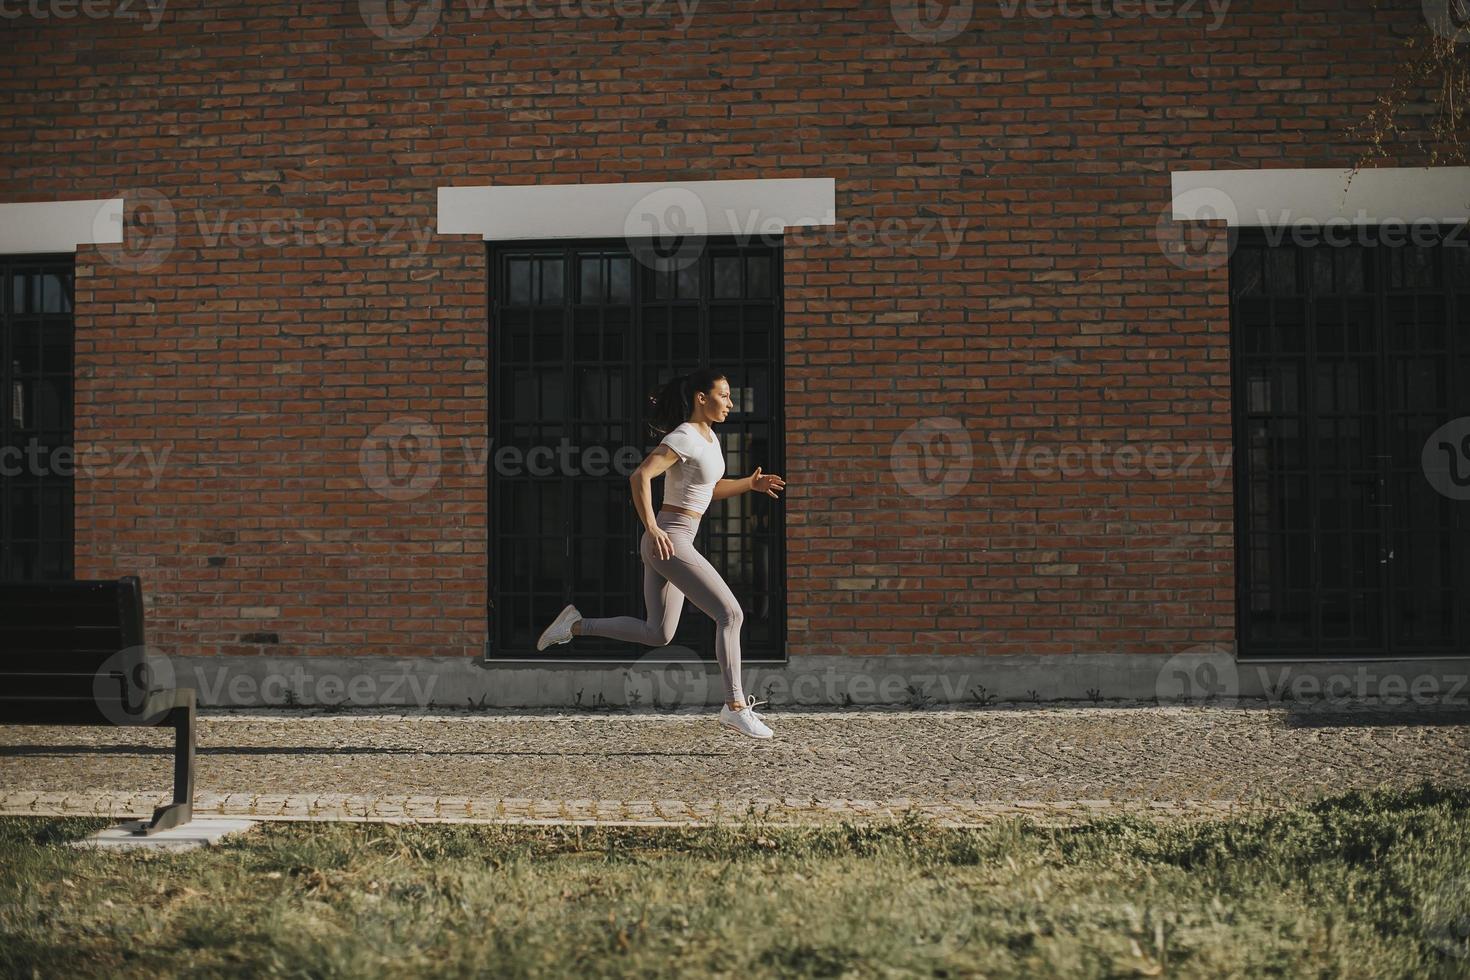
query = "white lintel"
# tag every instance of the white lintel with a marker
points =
(1275, 197)
(59, 226)
(516, 212)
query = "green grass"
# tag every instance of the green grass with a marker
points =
(1364, 885)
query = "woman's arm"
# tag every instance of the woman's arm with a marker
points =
(641, 482)
(767, 483)
(731, 488)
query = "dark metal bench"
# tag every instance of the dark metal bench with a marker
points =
(72, 653)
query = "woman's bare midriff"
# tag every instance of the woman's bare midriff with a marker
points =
(679, 510)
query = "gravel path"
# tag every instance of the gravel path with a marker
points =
(958, 766)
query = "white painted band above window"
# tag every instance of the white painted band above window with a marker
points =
(1271, 198)
(746, 208)
(59, 226)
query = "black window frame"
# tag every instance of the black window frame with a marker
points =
(54, 526)
(695, 635)
(1385, 485)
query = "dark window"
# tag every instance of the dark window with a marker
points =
(1351, 390)
(579, 334)
(36, 460)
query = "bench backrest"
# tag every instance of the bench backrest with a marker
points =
(72, 640)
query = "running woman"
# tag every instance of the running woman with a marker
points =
(684, 411)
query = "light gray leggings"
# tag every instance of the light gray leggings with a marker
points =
(666, 581)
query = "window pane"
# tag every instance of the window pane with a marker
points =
(590, 288)
(620, 279)
(547, 334)
(1350, 270)
(25, 348)
(724, 334)
(1458, 247)
(552, 273)
(515, 336)
(758, 276)
(56, 342)
(1321, 262)
(519, 292)
(54, 294)
(1247, 272)
(727, 276)
(689, 281)
(1410, 267)
(760, 320)
(616, 328)
(1281, 271)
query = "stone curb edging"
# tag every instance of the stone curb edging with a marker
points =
(615, 813)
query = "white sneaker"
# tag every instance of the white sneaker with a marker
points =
(745, 721)
(751, 702)
(560, 630)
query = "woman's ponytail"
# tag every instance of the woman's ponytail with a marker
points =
(673, 402)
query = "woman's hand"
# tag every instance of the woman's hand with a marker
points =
(767, 483)
(663, 545)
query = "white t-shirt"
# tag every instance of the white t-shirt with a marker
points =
(690, 483)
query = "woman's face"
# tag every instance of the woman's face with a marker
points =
(717, 403)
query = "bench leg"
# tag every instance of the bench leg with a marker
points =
(181, 810)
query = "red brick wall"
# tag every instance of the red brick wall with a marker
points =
(260, 368)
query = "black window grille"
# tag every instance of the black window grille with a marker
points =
(1351, 373)
(580, 332)
(36, 458)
